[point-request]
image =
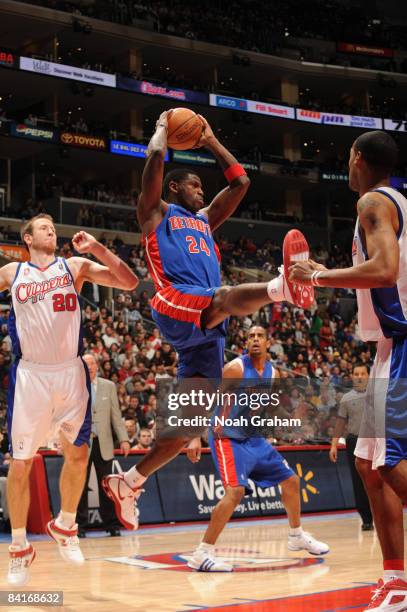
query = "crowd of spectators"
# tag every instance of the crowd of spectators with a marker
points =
(263, 27)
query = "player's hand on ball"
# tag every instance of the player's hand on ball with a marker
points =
(163, 119)
(194, 450)
(83, 242)
(207, 134)
(301, 272)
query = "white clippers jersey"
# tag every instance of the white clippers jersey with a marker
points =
(383, 312)
(45, 319)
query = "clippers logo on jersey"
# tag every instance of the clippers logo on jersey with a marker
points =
(37, 291)
(45, 319)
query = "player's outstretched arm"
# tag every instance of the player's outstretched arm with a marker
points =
(150, 205)
(7, 275)
(225, 203)
(114, 272)
(379, 220)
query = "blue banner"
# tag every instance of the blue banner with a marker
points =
(398, 182)
(132, 149)
(152, 89)
(183, 491)
(227, 102)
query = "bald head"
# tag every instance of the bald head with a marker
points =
(92, 365)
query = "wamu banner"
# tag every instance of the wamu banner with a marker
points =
(182, 491)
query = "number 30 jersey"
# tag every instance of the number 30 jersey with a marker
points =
(45, 318)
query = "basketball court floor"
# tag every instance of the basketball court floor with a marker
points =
(147, 570)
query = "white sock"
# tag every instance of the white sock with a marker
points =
(19, 537)
(275, 289)
(295, 531)
(133, 478)
(65, 520)
(207, 548)
(393, 575)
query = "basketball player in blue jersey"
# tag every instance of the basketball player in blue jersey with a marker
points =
(48, 392)
(239, 455)
(190, 306)
(380, 279)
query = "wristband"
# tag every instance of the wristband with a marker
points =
(314, 278)
(233, 172)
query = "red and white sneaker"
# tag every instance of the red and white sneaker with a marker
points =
(389, 597)
(295, 248)
(124, 499)
(20, 560)
(68, 543)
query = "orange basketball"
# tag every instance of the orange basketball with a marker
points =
(184, 129)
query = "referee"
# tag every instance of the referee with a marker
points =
(350, 412)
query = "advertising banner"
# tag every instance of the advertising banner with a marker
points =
(191, 157)
(34, 133)
(364, 49)
(311, 116)
(119, 147)
(84, 141)
(337, 177)
(7, 58)
(14, 252)
(67, 72)
(395, 126)
(252, 106)
(272, 110)
(227, 102)
(398, 182)
(184, 491)
(152, 89)
(203, 159)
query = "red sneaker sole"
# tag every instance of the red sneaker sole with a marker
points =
(295, 248)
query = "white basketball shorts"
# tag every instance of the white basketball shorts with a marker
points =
(383, 430)
(46, 400)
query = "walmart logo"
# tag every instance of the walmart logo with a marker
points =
(306, 486)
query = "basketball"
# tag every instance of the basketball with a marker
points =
(184, 129)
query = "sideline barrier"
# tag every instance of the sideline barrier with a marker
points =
(183, 491)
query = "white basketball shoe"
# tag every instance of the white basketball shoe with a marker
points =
(305, 541)
(204, 561)
(19, 563)
(124, 499)
(68, 542)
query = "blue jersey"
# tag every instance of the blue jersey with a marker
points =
(252, 383)
(182, 251)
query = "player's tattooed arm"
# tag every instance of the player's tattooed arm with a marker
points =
(113, 273)
(225, 203)
(378, 220)
(7, 275)
(150, 206)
